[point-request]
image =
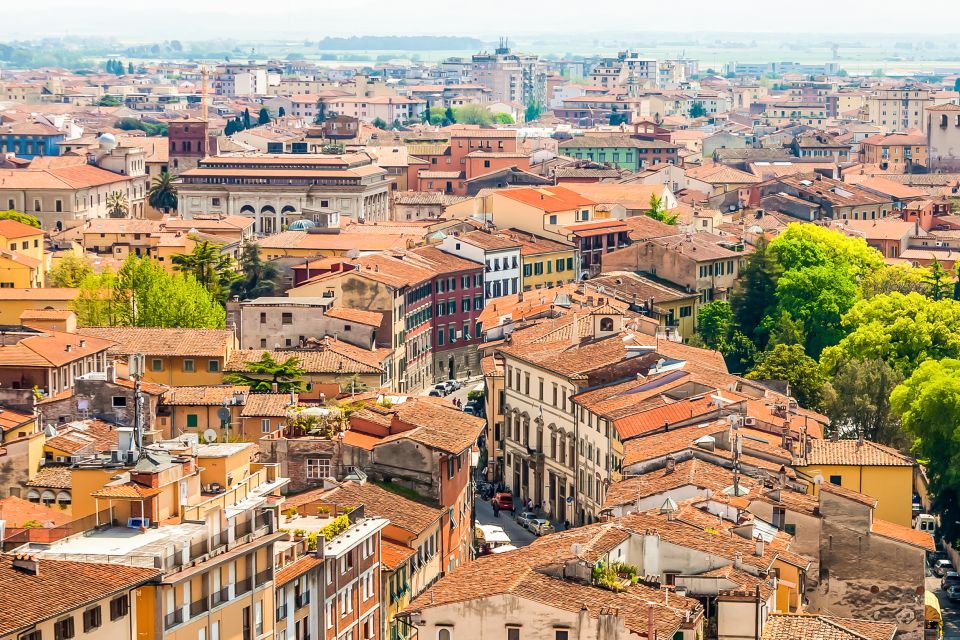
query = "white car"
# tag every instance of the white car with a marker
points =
(524, 518)
(540, 527)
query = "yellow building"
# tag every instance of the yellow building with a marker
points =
(196, 409)
(673, 308)
(174, 357)
(13, 302)
(866, 467)
(545, 263)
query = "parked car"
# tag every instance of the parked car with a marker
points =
(504, 501)
(435, 393)
(950, 578)
(953, 592)
(523, 519)
(941, 567)
(452, 385)
(540, 527)
(470, 410)
(442, 388)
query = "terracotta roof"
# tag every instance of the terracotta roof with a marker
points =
(851, 452)
(10, 419)
(437, 424)
(899, 532)
(402, 512)
(297, 568)
(850, 494)
(45, 314)
(126, 491)
(333, 356)
(368, 318)
(630, 195)
(803, 626)
(84, 437)
(548, 199)
(59, 178)
(30, 599)
(51, 349)
(152, 341)
(208, 395)
(693, 472)
(52, 478)
(489, 241)
(273, 405)
(393, 555)
(64, 294)
(13, 229)
(360, 440)
(15, 511)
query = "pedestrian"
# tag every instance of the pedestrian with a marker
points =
(496, 510)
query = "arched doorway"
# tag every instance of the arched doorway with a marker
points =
(267, 220)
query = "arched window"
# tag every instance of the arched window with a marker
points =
(33, 496)
(444, 634)
(606, 324)
(48, 498)
(64, 499)
(553, 445)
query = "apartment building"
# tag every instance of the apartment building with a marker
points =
(512, 78)
(500, 255)
(899, 109)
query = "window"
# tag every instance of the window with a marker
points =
(318, 468)
(686, 312)
(835, 480)
(58, 206)
(561, 634)
(513, 633)
(216, 202)
(286, 318)
(192, 420)
(36, 634)
(188, 366)
(213, 366)
(119, 607)
(156, 364)
(264, 425)
(263, 318)
(779, 517)
(63, 629)
(91, 619)
(444, 634)
(553, 219)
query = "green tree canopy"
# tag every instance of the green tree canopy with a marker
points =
(71, 271)
(857, 400)
(809, 245)
(790, 363)
(474, 114)
(264, 116)
(903, 330)
(928, 403)
(262, 374)
(754, 295)
(117, 204)
(162, 195)
(714, 323)
(209, 267)
(658, 211)
(817, 296)
(259, 277)
(697, 110)
(25, 218)
(503, 118)
(379, 123)
(143, 294)
(894, 278)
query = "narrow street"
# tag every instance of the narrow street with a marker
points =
(519, 536)
(950, 610)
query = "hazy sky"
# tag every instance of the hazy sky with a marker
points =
(297, 19)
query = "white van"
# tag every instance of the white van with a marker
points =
(925, 522)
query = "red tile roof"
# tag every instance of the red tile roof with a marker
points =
(548, 199)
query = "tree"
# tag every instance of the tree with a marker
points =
(162, 196)
(754, 295)
(903, 330)
(785, 330)
(321, 114)
(230, 128)
(130, 68)
(818, 297)
(379, 123)
(259, 278)
(789, 363)
(697, 110)
(807, 245)
(425, 114)
(264, 116)
(24, 218)
(857, 400)
(928, 403)
(109, 101)
(714, 323)
(143, 294)
(281, 112)
(117, 204)
(939, 281)
(533, 111)
(658, 211)
(209, 267)
(894, 278)
(449, 117)
(503, 118)
(71, 271)
(262, 374)
(474, 114)
(246, 118)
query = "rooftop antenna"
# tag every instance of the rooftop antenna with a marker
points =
(136, 367)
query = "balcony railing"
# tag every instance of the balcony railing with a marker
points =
(244, 586)
(173, 619)
(302, 599)
(281, 612)
(264, 577)
(219, 539)
(199, 606)
(219, 597)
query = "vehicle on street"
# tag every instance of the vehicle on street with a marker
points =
(925, 522)
(540, 527)
(470, 410)
(441, 388)
(504, 501)
(953, 592)
(523, 519)
(941, 567)
(950, 578)
(452, 385)
(490, 537)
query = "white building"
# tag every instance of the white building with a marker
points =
(500, 255)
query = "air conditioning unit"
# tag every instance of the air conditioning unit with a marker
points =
(749, 422)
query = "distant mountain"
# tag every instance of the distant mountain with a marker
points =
(401, 43)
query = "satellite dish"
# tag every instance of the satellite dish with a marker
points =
(576, 548)
(209, 436)
(223, 413)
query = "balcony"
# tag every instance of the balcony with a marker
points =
(302, 599)
(243, 586)
(173, 619)
(219, 597)
(281, 612)
(199, 606)
(263, 577)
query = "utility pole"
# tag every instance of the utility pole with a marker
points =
(136, 367)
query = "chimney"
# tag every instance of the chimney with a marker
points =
(274, 388)
(26, 563)
(759, 551)
(68, 348)
(651, 628)
(671, 464)
(83, 343)
(111, 373)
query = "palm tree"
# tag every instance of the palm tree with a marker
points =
(259, 277)
(212, 269)
(262, 374)
(117, 205)
(162, 194)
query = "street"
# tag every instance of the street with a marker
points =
(519, 536)
(950, 610)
